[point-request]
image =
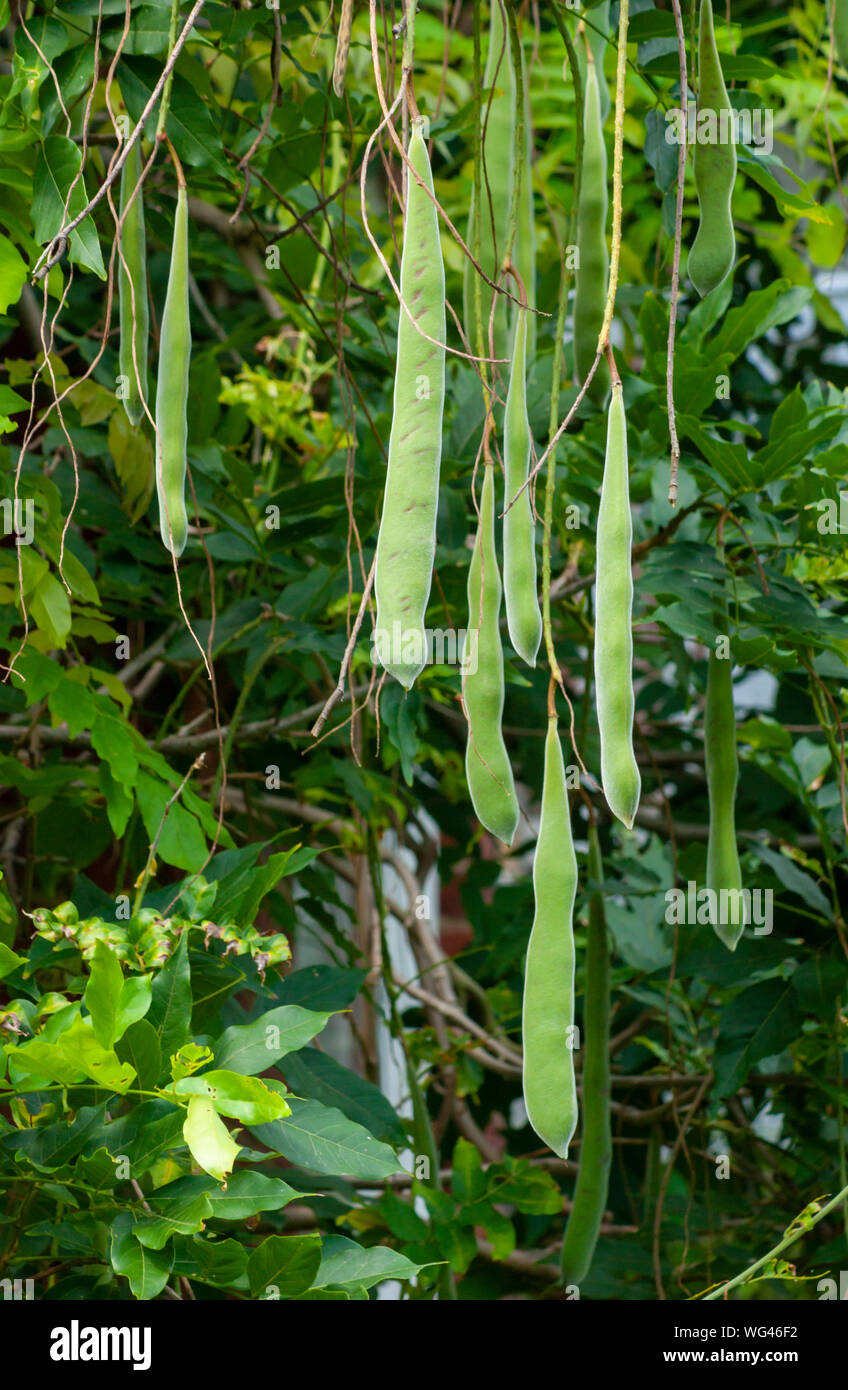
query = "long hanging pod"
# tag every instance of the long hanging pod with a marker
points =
(172, 389)
(592, 272)
(590, 1192)
(134, 314)
(487, 766)
(524, 620)
(613, 623)
(498, 136)
(724, 873)
(714, 247)
(406, 544)
(550, 1091)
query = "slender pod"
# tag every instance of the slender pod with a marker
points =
(524, 620)
(613, 619)
(840, 30)
(550, 1092)
(132, 289)
(590, 292)
(487, 765)
(498, 136)
(590, 1192)
(714, 248)
(172, 390)
(406, 544)
(724, 873)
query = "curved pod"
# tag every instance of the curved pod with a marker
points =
(714, 248)
(592, 274)
(406, 544)
(172, 390)
(613, 623)
(134, 314)
(550, 1091)
(524, 620)
(487, 766)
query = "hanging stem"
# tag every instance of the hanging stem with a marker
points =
(550, 478)
(675, 267)
(617, 161)
(166, 94)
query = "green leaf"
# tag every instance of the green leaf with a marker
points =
(9, 961)
(51, 1146)
(243, 1098)
(181, 842)
(344, 1262)
(318, 1076)
(132, 454)
(103, 992)
(248, 1193)
(321, 987)
(222, 1263)
(209, 1139)
(140, 1047)
(78, 1054)
(13, 274)
(184, 1212)
(254, 1047)
(759, 1022)
(113, 1001)
(51, 610)
(283, 1266)
(113, 741)
(56, 168)
(795, 880)
(326, 1141)
(171, 1002)
(469, 1181)
(147, 1270)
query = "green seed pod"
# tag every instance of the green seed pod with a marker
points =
(550, 1093)
(172, 391)
(724, 873)
(840, 29)
(613, 618)
(714, 248)
(487, 765)
(523, 617)
(590, 290)
(406, 545)
(590, 1192)
(132, 289)
(498, 133)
